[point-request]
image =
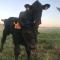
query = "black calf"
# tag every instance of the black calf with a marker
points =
(24, 36)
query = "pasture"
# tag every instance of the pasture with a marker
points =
(48, 45)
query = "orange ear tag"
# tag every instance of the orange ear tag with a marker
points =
(17, 25)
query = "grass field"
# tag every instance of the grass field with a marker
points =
(48, 45)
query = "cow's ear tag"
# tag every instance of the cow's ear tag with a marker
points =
(17, 25)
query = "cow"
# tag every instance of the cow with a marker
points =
(24, 34)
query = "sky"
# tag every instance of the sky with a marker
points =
(12, 8)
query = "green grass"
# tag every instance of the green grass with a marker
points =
(48, 46)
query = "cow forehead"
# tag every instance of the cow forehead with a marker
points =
(36, 4)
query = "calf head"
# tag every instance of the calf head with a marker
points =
(36, 10)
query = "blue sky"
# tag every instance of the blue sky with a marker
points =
(50, 17)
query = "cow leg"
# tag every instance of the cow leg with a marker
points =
(16, 51)
(28, 51)
(5, 33)
(34, 53)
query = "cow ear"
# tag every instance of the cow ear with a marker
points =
(27, 6)
(46, 6)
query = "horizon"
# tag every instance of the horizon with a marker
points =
(2, 23)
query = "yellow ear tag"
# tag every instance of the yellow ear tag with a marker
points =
(17, 25)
